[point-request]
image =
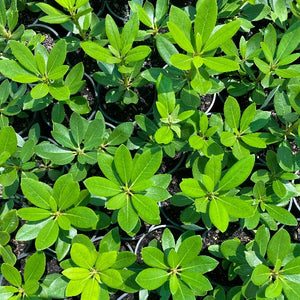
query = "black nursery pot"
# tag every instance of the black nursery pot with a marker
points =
(119, 9)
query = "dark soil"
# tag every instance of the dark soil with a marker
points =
(119, 9)
(206, 102)
(127, 113)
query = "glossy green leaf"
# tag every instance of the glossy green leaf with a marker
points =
(112, 32)
(82, 217)
(105, 260)
(102, 187)
(82, 256)
(11, 274)
(218, 215)
(47, 236)
(164, 135)
(237, 174)
(196, 280)
(123, 163)
(33, 213)
(24, 56)
(152, 278)
(35, 266)
(281, 215)
(221, 35)
(220, 64)
(260, 275)
(188, 249)
(39, 91)
(154, 257)
(128, 217)
(279, 246)
(36, 192)
(206, 18)
(232, 112)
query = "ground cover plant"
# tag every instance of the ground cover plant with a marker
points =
(150, 149)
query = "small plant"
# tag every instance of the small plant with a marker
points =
(177, 267)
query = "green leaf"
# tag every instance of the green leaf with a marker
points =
(36, 192)
(24, 56)
(201, 264)
(123, 163)
(218, 215)
(65, 191)
(112, 33)
(35, 266)
(292, 267)
(281, 215)
(167, 240)
(213, 169)
(181, 18)
(221, 35)
(144, 18)
(57, 154)
(288, 41)
(91, 290)
(237, 174)
(59, 92)
(105, 260)
(165, 48)
(164, 135)
(206, 18)
(76, 273)
(120, 134)
(154, 257)
(183, 292)
(102, 187)
(146, 165)
(260, 275)
(221, 64)
(274, 289)
(236, 207)
(82, 217)
(47, 236)
(232, 112)
(111, 278)
(8, 143)
(180, 37)
(39, 91)
(82, 256)
(11, 274)
(247, 117)
(291, 289)
(279, 188)
(147, 208)
(254, 140)
(98, 52)
(279, 246)
(191, 187)
(129, 33)
(128, 217)
(188, 249)
(33, 213)
(181, 61)
(58, 72)
(152, 278)
(124, 259)
(264, 67)
(196, 280)
(138, 53)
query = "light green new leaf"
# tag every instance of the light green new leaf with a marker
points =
(91, 290)
(47, 236)
(181, 61)
(247, 117)
(164, 135)
(180, 37)
(281, 215)
(154, 257)
(237, 174)
(8, 142)
(24, 56)
(35, 266)
(279, 246)
(82, 256)
(33, 213)
(39, 91)
(82, 217)
(138, 53)
(152, 278)
(232, 112)
(128, 217)
(11, 274)
(112, 278)
(188, 249)
(123, 163)
(146, 165)
(218, 215)
(99, 53)
(221, 64)
(206, 18)
(105, 260)
(102, 187)
(260, 275)
(57, 56)
(112, 33)
(191, 187)
(223, 34)
(36, 192)
(236, 207)
(196, 280)
(147, 208)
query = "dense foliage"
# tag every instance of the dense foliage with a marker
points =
(85, 180)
